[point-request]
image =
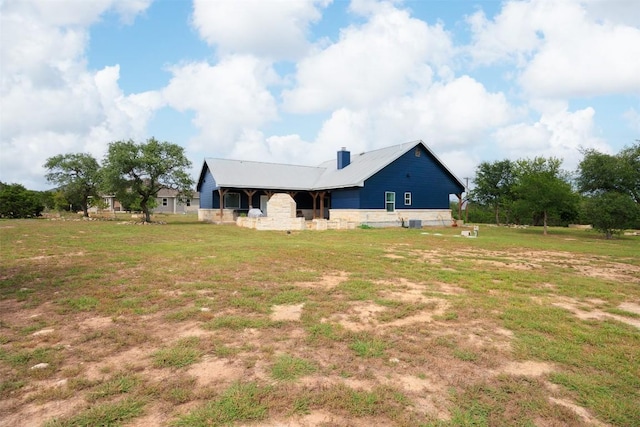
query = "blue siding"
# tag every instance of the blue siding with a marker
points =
(429, 184)
(345, 199)
(206, 188)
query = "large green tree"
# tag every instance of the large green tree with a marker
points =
(611, 212)
(18, 202)
(543, 188)
(136, 172)
(494, 185)
(77, 175)
(599, 172)
(611, 185)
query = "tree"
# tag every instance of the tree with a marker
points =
(136, 172)
(598, 172)
(18, 202)
(611, 212)
(611, 184)
(494, 185)
(78, 177)
(543, 188)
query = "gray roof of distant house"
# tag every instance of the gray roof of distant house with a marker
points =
(277, 176)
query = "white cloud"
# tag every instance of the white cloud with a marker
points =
(390, 55)
(560, 134)
(229, 98)
(615, 11)
(51, 103)
(445, 116)
(560, 49)
(277, 30)
(512, 34)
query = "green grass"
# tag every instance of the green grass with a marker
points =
(240, 402)
(183, 353)
(368, 346)
(239, 322)
(110, 414)
(108, 289)
(120, 383)
(288, 368)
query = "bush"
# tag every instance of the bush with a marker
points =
(18, 202)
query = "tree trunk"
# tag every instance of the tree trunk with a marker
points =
(85, 210)
(497, 215)
(145, 210)
(545, 222)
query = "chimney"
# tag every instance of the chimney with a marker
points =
(344, 158)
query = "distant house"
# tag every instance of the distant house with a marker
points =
(388, 186)
(167, 201)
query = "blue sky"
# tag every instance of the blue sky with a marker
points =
(292, 81)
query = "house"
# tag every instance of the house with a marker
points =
(383, 187)
(167, 201)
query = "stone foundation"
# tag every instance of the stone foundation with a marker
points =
(382, 218)
(281, 210)
(213, 215)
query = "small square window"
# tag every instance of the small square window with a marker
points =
(188, 202)
(407, 199)
(165, 202)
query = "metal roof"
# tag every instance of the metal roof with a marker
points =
(277, 176)
(273, 176)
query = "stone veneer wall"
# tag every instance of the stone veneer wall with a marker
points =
(282, 216)
(213, 215)
(382, 218)
(281, 209)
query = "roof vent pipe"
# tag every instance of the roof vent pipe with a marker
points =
(344, 158)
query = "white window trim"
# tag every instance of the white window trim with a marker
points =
(388, 202)
(407, 198)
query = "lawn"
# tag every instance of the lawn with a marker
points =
(181, 323)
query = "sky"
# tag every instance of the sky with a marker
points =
(293, 81)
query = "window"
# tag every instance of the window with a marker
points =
(188, 202)
(418, 152)
(407, 199)
(232, 201)
(390, 201)
(165, 202)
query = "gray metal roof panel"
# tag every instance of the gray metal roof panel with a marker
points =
(249, 174)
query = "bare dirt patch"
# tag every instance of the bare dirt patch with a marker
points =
(527, 368)
(587, 310)
(578, 410)
(286, 312)
(328, 281)
(216, 372)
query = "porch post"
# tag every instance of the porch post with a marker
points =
(222, 192)
(321, 194)
(250, 194)
(314, 195)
